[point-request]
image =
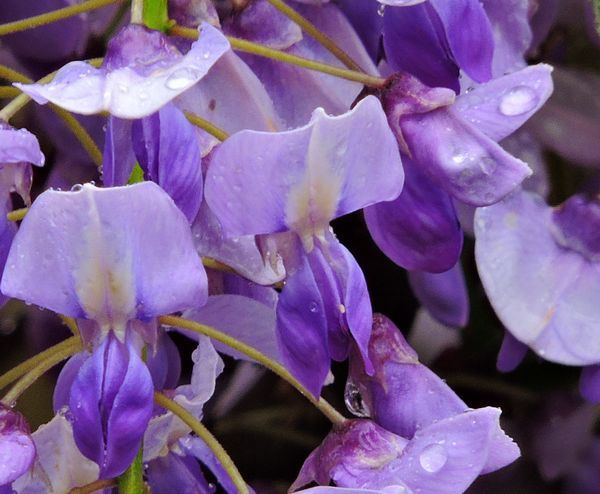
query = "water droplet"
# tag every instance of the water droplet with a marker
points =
(143, 95)
(517, 101)
(181, 78)
(354, 401)
(459, 156)
(381, 10)
(206, 55)
(76, 188)
(487, 165)
(433, 458)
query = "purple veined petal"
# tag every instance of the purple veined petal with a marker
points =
(132, 88)
(511, 354)
(444, 295)
(469, 36)
(48, 43)
(542, 292)
(447, 456)
(75, 239)
(347, 162)
(118, 158)
(589, 383)
(232, 97)
(512, 33)
(241, 253)
(261, 23)
(461, 159)
(168, 150)
(164, 363)
(413, 40)
(302, 329)
(244, 319)
(110, 406)
(499, 107)
(177, 473)
(67, 376)
(419, 230)
(17, 449)
(569, 123)
(55, 440)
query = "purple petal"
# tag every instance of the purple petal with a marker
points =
(512, 352)
(576, 226)
(67, 376)
(444, 295)
(69, 241)
(349, 162)
(110, 405)
(243, 318)
(461, 159)
(542, 292)
(167, 148)
(19, 145)
(499, 107)
(55, 440)
(367, 22)
(139, 63)
(118, 158)
(418, 230)
(175, 473)
(589, 383)
(164, 363)
(17, 450)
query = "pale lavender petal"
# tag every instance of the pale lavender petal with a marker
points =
(511, 354)
(461, 159)
(19, 145)
(55, 440)
(499, 107)
(524, 146)
(110, 406)
(542, 292)
(418, 230)
(132, 88)
(244, 319)
(168, 150)
(118, 158)
(71, 240)
(444, 295)
(17, 449)
(589, 383)
(349, 162)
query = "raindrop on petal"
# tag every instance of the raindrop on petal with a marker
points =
(433, 458)
(517, 101)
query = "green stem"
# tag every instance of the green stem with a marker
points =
(23, 368)
(9, 92)
(207, 126)
(281, 56)
(39, 370)
(137, 11)
(323, 406)
(132, 481)
(55, 15)
(204, 434)
(312, 30)
(92, 487)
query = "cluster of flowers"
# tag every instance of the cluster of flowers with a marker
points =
(221, 173)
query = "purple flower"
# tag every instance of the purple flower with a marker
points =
(17, 450)
(142, 71)
(332, 166)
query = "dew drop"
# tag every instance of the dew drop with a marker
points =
(313, 307)
(381, 10)
(517, 101)
(433, 458)
(181, 78)
(76, 188)
(354, 401)
(143, 95)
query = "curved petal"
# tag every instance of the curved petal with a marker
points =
(17, 449)
(175, 473)
(419, 230)
(511, 354)
(110, 255)
(118, 158)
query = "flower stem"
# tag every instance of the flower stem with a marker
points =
(132, 480)
(39, 370)
(204, 434)
(80, 133)
(55, 15)
(72, 343)
(312, 30)
(137, 11)
(94, 486)
(207, 126)
(323, 406)
(9, 92)
(281, 56)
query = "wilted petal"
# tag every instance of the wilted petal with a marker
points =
(141, 73)
(17, 450)
(542, 292)
(444, 295)
(418, 230)
(110, 406)
(499, 107)
(334, 165)
(168, 150)
(75, 252)
(52, 441)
